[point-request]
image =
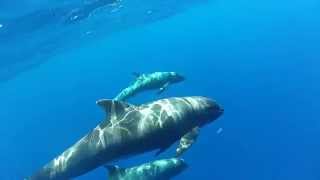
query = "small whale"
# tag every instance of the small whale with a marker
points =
(130, 130)
(157, 80)
(163, 169)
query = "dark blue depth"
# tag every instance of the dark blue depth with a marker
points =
(260, 60)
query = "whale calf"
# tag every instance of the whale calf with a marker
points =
(163, 169)
(157, 80)
(131, 130)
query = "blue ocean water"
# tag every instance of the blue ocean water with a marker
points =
(260, 60)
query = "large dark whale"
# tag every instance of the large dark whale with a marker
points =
(130, 130)
(143, 82)
(163, 169)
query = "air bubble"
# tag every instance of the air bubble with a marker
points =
(219, 131)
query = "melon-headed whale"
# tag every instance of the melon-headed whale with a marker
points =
(131, 130)
(143, 82)
(163, 169)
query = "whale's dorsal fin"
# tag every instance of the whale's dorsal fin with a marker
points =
(114, 108)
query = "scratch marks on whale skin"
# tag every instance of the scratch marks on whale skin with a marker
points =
(61, 163)
(160, 114)
(120, 122)
(101, 141)
(127, 121)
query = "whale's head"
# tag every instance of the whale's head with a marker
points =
(176, 77)
(205, 109)
(170, 167)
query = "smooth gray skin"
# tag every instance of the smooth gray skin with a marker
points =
(131, 130)
(157, 80)
(163, 169)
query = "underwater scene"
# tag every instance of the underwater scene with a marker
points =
(159, 90)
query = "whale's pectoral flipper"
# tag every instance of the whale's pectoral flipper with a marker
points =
(114, 171)
(114, 109)
(163, 88)
(187, 141)
(112, 168)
